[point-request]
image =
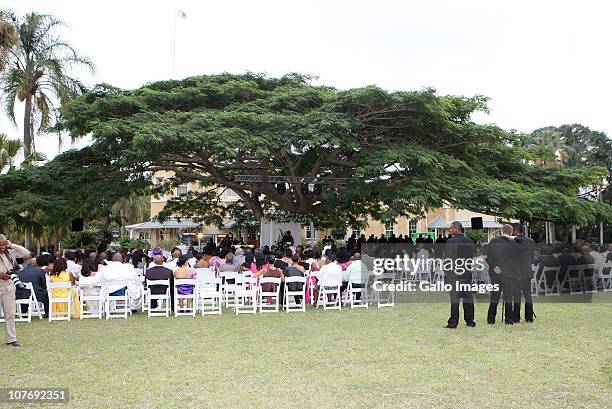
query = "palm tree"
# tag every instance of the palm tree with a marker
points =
(133, 208)
(37, 73)
(8, 38)
(9, 148)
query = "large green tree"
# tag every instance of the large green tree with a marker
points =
(391, 154)
(8, 38)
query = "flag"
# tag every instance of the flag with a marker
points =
(180, 14)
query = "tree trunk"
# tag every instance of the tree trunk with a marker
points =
(27, 145)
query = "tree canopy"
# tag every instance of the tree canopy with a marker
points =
(400, 153)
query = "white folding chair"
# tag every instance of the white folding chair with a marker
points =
(534, 281)
(229, 289)
(554, 288)
(38, 307)
(27, 316)
(210, 295)
(589, 278)
(329, 292)
(289, 303)
(604, 275)
(144, 293)
(362, 290)
(245, 295)
(60, 316)
(163, 300)
(384, 298)
(87, 300)
(268, 300)
(189, 298)
(574, 279)
(116, 306)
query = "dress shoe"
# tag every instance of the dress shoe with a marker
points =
(471, 324)
(490, 321)
(450, 327)
(14, 344)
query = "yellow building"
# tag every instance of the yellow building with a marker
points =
(191, 232)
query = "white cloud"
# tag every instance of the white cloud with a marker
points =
(542, 63)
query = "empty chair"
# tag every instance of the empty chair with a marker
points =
(210, 295)
(245, 295)
(269, 293)
(295, 294)
(382, 296)
(185, 296)
(60, 295)
(162, 299)
(604, 276)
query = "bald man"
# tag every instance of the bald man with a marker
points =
(9, 252)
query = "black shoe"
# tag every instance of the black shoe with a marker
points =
(528, 320)
(490, 321)
(509, 322)
(471, 324)
(14, 344)
(451, 327)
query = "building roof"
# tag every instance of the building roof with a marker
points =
(438, 223)
(168, 224)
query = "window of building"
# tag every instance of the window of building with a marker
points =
(251, 234)
(182, 189)
(310, 233)
(356, 231)
(389, 229)
(412, 227)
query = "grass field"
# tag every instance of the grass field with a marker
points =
(393, 358)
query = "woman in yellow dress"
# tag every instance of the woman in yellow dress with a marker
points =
(60, 274)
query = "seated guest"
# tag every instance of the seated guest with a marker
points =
(73, 267)
(295, 270)
(183, 271)
(356, 273)
(35, 275)
(159, 272)
(89, 283)
(229, 264)
(60, 274)
(116, 274)
(265, 267)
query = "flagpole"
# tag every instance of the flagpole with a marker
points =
(174, 46)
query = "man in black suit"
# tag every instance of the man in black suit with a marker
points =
(459, 249)
(35, 275)
(159, 272)
(524, 261)
(500, 253)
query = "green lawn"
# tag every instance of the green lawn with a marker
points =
(393, 358)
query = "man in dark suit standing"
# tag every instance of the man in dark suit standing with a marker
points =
(459, 248)
(500, 253)
(524, 261)
(35, 275)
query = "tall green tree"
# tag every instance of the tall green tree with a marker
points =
(8, 38)
(9, 148)
(38, 72)
(374, 153)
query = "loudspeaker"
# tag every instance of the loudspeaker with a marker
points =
(281, 188)
(477, 223)
(77, 224)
